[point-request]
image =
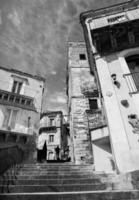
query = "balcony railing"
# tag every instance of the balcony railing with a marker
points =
(132, 81)
(96, 119)
(16, 100)
(47, 129)
(89, 92)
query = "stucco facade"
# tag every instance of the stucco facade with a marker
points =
(114, 62)
(51, 128)
(87, 123)
(20, 101)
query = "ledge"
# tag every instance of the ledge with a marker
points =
(48, 129)
(16, 100)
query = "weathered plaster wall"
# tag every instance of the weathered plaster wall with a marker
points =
(99, 133)
(103, 157)
(45, 122)
(31, 87)
(79, 74)
(52, 145)
(21, 124)
(123, 140)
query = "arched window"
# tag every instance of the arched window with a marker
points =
(133, 64)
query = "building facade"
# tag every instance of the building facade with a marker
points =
(20, 101)
(51, 124)
(112, 41)
(87, 120)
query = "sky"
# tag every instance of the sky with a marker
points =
(34, 36)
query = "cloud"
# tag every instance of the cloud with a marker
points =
(53, 72)
(61, 99)
(58, 97)
(0, 17)
(70, 8)
(14, 17)
(56, 102)
(34, 35)
(39, 36)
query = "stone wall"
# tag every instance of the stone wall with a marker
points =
(79, 80)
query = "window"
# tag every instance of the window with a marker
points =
(10, 118)
(93, 104)
(17, 85)
(51, 122)
(82, 56)
(119, 18)
(51, 138)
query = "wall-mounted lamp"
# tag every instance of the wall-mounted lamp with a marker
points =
(115, 82)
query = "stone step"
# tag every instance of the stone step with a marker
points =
(46, 171)
(65, 176)
(56, 173)
(53, 168)
(38, 167)
(82, 147)
(81, 141)
(55, 188)
(84, 195)
(81, 152)
(56, 165)
(51, 181)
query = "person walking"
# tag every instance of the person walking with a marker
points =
(57, 150)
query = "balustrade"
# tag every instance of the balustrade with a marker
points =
(16, 100)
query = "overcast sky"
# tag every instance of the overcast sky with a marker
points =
(34, 36)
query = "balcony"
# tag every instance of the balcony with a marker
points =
(132, 81)
(89, 90)
(16, 100)
(96, 119)
(48, 129)
(117, 35)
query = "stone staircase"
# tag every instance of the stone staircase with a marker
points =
(67, 182)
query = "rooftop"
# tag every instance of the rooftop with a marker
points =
(109, 10)
(23, 73)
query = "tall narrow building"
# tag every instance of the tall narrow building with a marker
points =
(87, 121)
(112, 40)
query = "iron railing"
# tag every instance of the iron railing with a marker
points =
(16, 100)
(132, 80)
(47, 129)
